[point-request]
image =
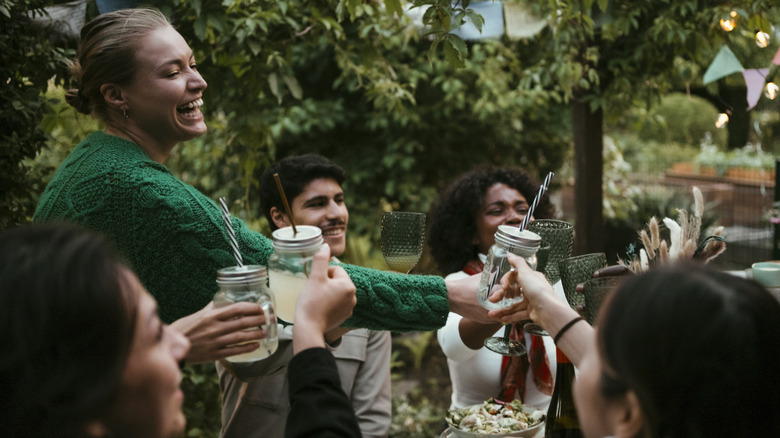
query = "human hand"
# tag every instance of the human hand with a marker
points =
(325, 302)
(216, 333)
(618, 270)
(462, 298)
(522, 280)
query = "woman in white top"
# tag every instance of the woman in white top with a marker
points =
(463, 222)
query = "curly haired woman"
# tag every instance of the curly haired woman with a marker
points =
(463, 222)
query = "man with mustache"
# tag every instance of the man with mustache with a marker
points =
(256, 408)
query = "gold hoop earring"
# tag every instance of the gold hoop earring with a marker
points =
(124, 111)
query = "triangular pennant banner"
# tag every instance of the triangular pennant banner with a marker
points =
(724, 64)
(776, 59)
(754, 78)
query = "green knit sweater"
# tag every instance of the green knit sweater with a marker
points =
(175, 240)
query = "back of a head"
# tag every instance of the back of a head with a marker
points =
(66, 330)
(295, 173)
(453, 215)
(700, 349)
(106, 54)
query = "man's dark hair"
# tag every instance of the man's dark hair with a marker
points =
(295, 172)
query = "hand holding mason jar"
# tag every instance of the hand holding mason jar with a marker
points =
(248, 284)
(508, 239)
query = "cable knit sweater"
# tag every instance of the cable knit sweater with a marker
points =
(174, 237)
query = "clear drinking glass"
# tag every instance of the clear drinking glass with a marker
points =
(290, 264)
(508, 239)
(248, 284)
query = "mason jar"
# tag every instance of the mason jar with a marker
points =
(248, 284)
(290, 264)
(508, 239)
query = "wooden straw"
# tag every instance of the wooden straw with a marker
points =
(284, 201)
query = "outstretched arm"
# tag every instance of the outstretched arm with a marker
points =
(548, 311)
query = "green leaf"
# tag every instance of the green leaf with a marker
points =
(587, 5)
(477, 20)
(451, 53)
(352, 6)
(273, 82)
(394, 7)
(603, 5)
(459, 44)
(294, 86)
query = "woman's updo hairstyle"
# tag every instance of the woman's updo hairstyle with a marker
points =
(106, 54)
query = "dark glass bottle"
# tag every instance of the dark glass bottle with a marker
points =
(562, 419)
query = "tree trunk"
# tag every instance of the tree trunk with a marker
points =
(739, 120)
(588, 127)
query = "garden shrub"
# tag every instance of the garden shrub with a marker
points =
(682, 119)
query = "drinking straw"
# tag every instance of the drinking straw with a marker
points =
(284, 201)
(543, 188)
(231, 233)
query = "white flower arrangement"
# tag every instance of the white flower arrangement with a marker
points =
(683, 240)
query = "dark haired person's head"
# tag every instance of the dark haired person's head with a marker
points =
(468, 212)
(684, 351)
(312, 185)
(84, 353)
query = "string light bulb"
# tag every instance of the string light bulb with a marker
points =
(771, 90)
(762, 38)
(728, 24)
(723, 118)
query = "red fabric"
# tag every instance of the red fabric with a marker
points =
(514, 369)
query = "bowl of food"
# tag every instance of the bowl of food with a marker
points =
(494, 418)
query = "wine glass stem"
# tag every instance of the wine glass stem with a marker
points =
(507, 332)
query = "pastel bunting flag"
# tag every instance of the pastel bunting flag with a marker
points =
(724, 64)
(776, 59)
(754, 79)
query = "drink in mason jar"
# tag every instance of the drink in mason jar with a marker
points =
(507, 239)
(248, 284)
(287, 287)
(290, 264)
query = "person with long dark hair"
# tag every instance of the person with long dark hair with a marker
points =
(680, 351)
(85, 354)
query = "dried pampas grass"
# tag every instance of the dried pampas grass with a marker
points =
(683, 242)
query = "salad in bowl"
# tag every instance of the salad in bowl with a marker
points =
(495, 418)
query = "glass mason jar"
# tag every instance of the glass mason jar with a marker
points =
(290, 264)
(248, 284)
(507, 239)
